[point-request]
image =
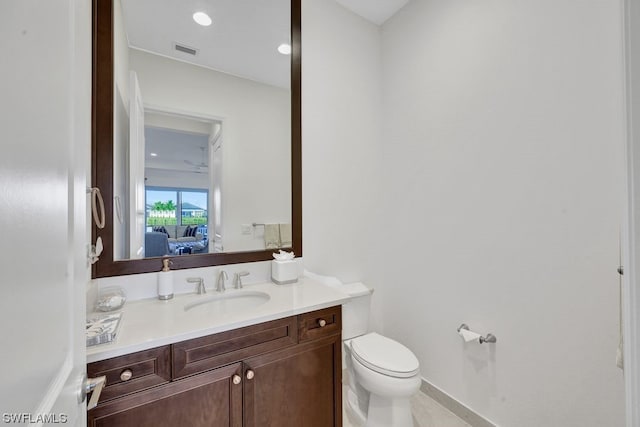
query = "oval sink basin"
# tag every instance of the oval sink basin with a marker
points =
(228, 303)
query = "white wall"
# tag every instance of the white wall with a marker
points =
(169, 121)
(120, 132)
(503, 135)
(631, 260)
(170, 178)
(256, 132)
(121, 55)
(343, 230)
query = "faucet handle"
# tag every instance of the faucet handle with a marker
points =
(237, 279)
(199, 281)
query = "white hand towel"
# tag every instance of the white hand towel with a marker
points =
(285, 236)
(271, 236)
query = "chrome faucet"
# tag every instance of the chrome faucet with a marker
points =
(222, 276)
(200, 281)
(237, 279)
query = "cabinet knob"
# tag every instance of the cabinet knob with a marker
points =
(322, 323)
(250, 374)
(237, 379)
(126, 375)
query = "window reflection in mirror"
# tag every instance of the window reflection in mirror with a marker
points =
(182, 215)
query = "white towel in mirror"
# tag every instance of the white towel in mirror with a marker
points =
(285, 236)
(271, 236)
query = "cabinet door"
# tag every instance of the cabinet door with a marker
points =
(208, 399)
(298, 386)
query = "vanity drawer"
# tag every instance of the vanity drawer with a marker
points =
(132, 372)
(320, 323)
(201, 354)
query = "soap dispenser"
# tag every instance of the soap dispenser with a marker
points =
(165, 280)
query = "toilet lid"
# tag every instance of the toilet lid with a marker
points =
(384, 355)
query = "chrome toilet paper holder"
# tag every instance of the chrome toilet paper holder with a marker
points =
(490, 338)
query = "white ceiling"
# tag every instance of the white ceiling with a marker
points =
(176, 150)
(376, 11)
(242, 40)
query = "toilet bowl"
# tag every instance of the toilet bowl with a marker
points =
(382, 374)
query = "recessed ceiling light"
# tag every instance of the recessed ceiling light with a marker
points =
(285, 49)
(153, 154)
(202, 19)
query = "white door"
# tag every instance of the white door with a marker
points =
(136, 169)
(215, 143)
(45, 82)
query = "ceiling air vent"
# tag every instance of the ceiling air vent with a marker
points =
(185, 49)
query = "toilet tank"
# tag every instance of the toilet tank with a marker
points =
(355, 313)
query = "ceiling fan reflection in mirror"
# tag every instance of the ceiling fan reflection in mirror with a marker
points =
(201, 167)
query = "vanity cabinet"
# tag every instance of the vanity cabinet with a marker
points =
(285, 372)
(207, 399)
(294, 387)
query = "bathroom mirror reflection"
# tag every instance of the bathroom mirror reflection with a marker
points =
(196, 132)
(202, 128)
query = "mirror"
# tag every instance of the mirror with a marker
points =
(196, 141)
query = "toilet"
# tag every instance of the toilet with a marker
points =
(382, 374)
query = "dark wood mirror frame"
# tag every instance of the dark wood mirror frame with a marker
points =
(102, 154)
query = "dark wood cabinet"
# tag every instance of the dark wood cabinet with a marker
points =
(208, 399)
(133, 372)
(199, 354)
(285, 372)
(295, 387)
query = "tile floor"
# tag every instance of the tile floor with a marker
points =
(426, 413)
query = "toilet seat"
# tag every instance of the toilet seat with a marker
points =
(384, 355)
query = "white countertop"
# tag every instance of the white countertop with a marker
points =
(151, 323)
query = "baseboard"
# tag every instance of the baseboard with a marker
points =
(461, 411)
